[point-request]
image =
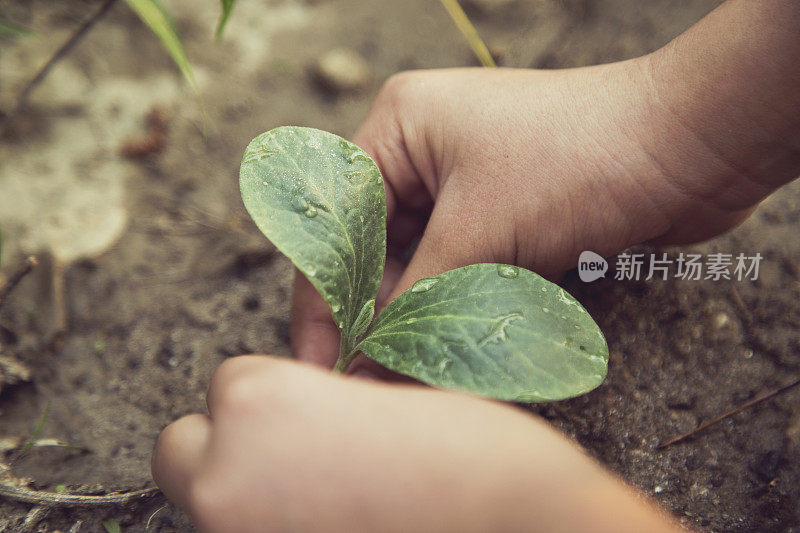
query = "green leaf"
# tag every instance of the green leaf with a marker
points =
(111, 525)
(493, 330)
(9, 28)
(361, 322)
(155, 16)
(320, 199)
(227, 9)
(35, 435)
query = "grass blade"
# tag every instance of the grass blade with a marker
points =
(227, 9)
(35, 435)
(469, 32)
(15, 30)
(155, 16)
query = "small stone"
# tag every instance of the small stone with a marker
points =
(166, 356)
(12, 372)
(342, 70)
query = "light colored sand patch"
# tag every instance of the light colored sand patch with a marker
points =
(65, 192)
(251, 26)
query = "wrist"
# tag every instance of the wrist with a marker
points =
(725, 110)
(687, 167)
(556, 486)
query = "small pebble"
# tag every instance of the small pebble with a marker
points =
(342, 70)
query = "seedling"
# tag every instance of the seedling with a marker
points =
(490, 329)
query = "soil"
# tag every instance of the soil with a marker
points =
(185, 280)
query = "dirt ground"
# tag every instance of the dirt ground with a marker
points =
(183, 279)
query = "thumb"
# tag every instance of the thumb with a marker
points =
(460, 232)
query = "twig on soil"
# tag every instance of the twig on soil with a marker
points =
(33, 518)
(147, 526)
(57, 56)
(60, 314)
(740, 304)
(728, 414)
(59, 499)
(16, 277)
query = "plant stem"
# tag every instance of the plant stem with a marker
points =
(346, 355)
(341, 364)
(29, 264)
(60, 53)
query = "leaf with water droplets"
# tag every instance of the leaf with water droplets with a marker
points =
(364, 318)
(320, 200)
(493, 330)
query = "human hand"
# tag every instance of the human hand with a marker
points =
(289, 447)
(522, 167)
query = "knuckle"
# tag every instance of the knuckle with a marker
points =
(243, 384)
(166, 441)
(240, 392)
(238, 381)
(400, 87)
(229, 370)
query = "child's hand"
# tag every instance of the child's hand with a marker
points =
(288, 447)
(531, 168)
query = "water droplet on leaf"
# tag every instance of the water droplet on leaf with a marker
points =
(424, 285)
(300, 203)
(357, 156)
(497, 333)
(507, 271)
(443, 363)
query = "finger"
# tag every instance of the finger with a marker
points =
(391, 275)
(178, 456)
(382, 136)
(366, 368)
(233, 378)
(455, 236)
(312, 331)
